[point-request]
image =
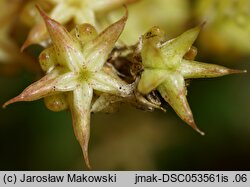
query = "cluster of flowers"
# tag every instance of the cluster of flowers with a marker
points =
(90, 70)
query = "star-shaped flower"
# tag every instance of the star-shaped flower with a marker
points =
(165, 69)
(64, 11)
(74, 69)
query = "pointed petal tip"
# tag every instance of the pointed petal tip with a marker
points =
(47, 19)
(86, 155)
(121, 22)
(11, 101)
(235, 71)
(126, 12)
(4, 105)
(194, 126)
(26, 44)
(200, 132)
(84, 144)
(124, 19)
(198, 28)
(86, 159)
(41, 12)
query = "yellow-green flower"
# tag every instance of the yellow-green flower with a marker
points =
(74, 72)
(165, 69)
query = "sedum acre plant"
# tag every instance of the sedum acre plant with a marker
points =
(89, 70)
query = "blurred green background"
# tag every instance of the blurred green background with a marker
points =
(34, 138)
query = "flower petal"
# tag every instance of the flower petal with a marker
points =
(193, 69)
(37, 35)
(173, 90)
(109, 83)
(152, 56)
(175, 49)
(98, 50)
(80, 101)
(46, 86)
(151, 79)
(67, 49)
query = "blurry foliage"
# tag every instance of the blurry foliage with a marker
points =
(66, 12)
(227, 26)
(10, 57)
(172, 16)
(33, 138)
